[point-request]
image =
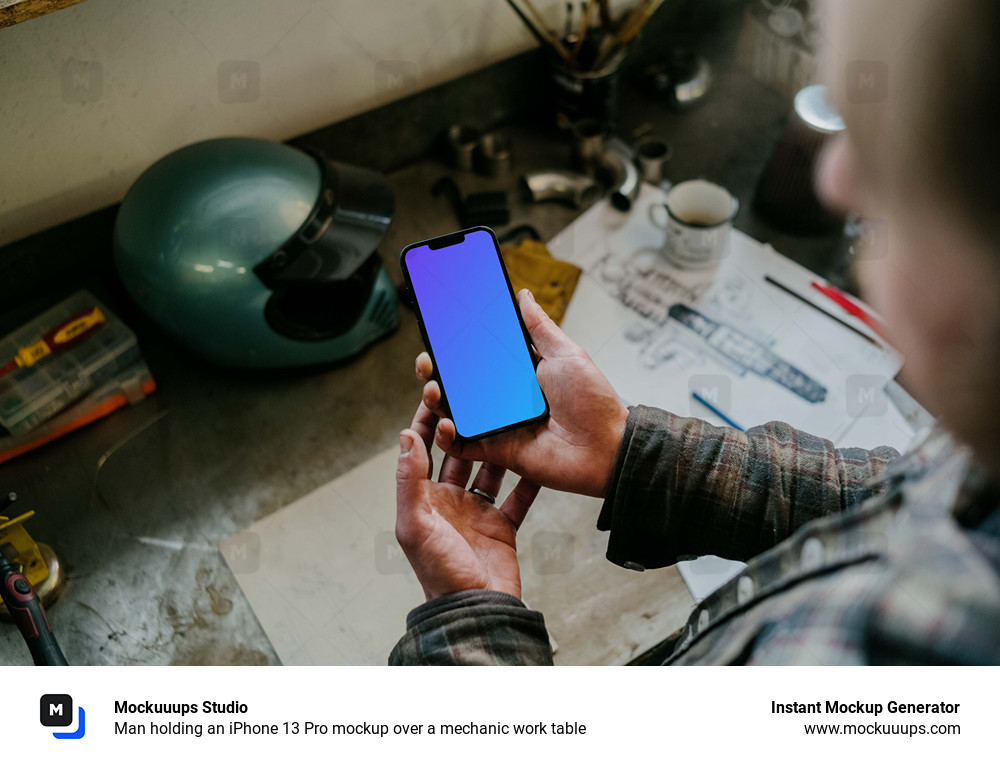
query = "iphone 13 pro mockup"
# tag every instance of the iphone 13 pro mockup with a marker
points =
(474, 333)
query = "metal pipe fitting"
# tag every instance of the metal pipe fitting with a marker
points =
(618, 164)
(574, 188)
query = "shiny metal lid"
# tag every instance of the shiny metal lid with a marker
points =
(815, 111)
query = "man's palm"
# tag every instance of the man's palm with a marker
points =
(467, 541)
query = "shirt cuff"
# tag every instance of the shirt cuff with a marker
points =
(460, 600)
(636, 509)
(473, 627)
(607, 510)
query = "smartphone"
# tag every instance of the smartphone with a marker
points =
(474, 332)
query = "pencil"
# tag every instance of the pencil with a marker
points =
(605, 12)
(844, 301)
(628, 31)
(725, 418)
(822, 310)
(543, 30)
(527, 23)
(584, 28)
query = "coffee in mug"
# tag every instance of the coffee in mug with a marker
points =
(699, 219)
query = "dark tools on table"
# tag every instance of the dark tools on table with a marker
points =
(24, 606)
(683, 78)
(608, 159)
(587, 144)
(469, 149)
(495, 154)
(479, 209)
(462, 142)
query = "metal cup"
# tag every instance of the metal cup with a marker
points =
(699, 219)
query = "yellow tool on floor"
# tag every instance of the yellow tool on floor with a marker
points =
(552, 282)
(36, 561)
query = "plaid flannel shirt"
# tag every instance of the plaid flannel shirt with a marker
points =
(854, 556)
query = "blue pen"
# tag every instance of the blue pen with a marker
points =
(728, 420)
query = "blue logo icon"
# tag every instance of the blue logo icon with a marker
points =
(57, 710)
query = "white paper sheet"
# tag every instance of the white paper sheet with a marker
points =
(620, 315)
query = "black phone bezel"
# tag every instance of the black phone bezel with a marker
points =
(449, 240)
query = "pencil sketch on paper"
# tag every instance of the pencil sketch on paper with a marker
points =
(730, 298)
(744, 351)
(646, 284)
(658, 346)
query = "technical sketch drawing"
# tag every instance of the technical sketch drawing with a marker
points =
(644, 283)
(746, 352)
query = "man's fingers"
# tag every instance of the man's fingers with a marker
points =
(447, 440)
(545, 334)
(411, 471)
(455, 471)
(424, 423)
(432, 396)
(424, 366)
(489, 478)
(519, 501)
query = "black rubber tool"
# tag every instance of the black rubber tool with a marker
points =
(480, 209)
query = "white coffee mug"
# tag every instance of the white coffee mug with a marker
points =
(699, 219)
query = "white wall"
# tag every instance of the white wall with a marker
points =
(91, 95)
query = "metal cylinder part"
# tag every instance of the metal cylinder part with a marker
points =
(653, 154)
(617, 161)
(495, 154)
(588, 144)
(462, 141)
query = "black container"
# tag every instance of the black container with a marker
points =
(585, 95)
(785, 193)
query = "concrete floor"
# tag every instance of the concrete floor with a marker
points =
(137, 503)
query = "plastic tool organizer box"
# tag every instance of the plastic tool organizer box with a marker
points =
(30, 395)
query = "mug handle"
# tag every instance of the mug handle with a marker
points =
(652, 217)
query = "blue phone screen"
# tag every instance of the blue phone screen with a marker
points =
(475, 336)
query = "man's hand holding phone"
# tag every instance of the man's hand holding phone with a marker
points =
(574, 449)
(558, 423)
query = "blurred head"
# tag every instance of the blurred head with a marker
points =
(917, 83)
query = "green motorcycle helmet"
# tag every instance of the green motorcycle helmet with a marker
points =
(256, 254)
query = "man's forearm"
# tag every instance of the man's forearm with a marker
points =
(682, 487)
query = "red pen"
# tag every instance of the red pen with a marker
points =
(843, 300)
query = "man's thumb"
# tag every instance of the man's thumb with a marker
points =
(413, 463)
(545, 334)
